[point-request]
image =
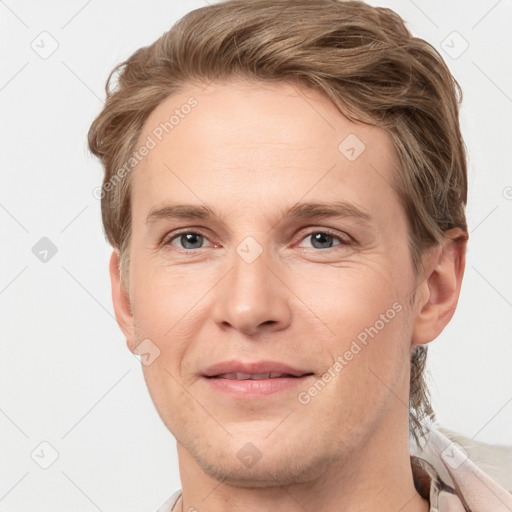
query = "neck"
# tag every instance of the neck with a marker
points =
(377, 476)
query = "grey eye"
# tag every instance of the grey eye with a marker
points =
(322, 240)
(190, 240)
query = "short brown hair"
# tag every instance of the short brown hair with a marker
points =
(363, 58)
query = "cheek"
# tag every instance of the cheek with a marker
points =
(168, 395)
(369, 323)
(369, 361)
(169, 311)
(353, 298)
(163, 298)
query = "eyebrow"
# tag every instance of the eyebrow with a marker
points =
(340, 209)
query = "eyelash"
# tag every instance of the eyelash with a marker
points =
(343, 240)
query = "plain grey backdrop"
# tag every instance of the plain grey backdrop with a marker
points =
(79, 431)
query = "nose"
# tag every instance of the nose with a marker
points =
(252, 298)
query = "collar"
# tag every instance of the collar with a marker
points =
(430, 486)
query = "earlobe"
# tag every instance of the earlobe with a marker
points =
(121, 301)
(438, 294)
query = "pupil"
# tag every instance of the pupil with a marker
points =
(322, 238)
(189, 238)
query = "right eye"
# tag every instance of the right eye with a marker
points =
(187, 240)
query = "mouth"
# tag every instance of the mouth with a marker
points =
(257, 376)
(258, 380)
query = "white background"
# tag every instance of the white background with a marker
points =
(67, 377)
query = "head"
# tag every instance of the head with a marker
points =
(248, 110)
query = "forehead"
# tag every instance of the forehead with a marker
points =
(246, 143)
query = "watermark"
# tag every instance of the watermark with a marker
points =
(249, 249)
(351, 147)
(151, 142)
(454, 455)
(454, 45)
(44, 455)
(44, 45)
(249, 455)
(146, 352)
(44, 250)
(342, 360)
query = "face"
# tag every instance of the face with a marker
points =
(267, 237)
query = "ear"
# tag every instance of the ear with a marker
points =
(438, 293)
(121, 301)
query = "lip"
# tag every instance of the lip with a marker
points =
(253, 388)
(253, 367)
(245, 389)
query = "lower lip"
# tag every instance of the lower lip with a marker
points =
(256, 387)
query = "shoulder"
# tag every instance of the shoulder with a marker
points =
(495, 460)
(478, 474)
(169, 503)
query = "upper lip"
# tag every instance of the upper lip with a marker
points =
(253, 367)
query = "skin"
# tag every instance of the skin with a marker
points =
(249, 151)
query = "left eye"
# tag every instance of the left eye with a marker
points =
(324, 240)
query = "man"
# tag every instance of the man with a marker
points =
(284, 191)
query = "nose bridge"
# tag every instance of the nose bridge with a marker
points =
(252, 298)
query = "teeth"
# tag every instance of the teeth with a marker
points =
(252, 376)
(258, 376)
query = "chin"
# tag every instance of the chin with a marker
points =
(275, 465)
(263, 474)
